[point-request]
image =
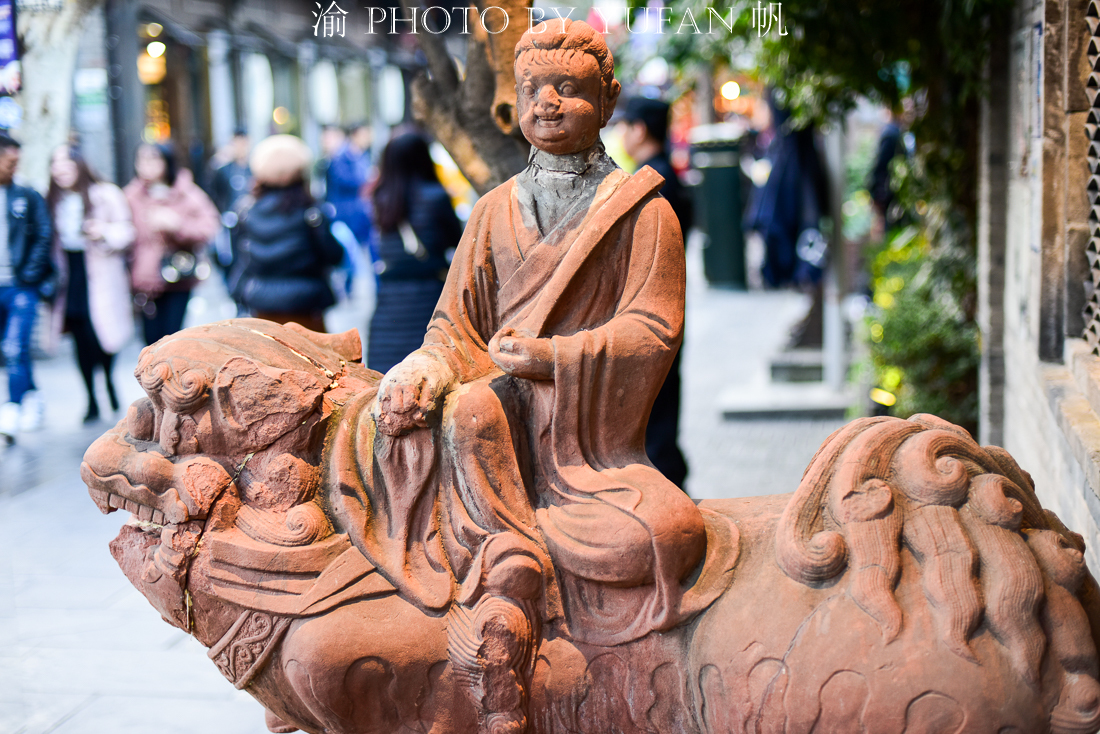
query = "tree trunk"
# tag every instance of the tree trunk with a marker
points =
(473, 117)
(50, 39)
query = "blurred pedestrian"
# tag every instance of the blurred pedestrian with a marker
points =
(345, 181)
(287, 250)
(93, 230)
(230, 181)
(788, 208)
(893, 141)
(416, 226)
(173, 222)
(26, 274)
(645, 139)
(332, 141)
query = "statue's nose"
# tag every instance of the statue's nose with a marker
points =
(548, 100)
(141, 420)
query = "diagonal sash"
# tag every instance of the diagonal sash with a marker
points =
(618, 205)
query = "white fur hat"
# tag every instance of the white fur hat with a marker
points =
(280, 160)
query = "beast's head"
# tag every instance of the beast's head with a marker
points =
(231, 431)
(884, 494)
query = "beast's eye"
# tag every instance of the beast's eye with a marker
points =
(568, 89)
(528, 89)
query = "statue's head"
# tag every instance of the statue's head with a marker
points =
(565, 84)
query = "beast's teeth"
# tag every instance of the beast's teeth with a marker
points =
(132, 506)
(116, 501)
(158, 517)
(100, 497)
(145, 513)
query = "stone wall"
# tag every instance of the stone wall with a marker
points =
(1040, 382)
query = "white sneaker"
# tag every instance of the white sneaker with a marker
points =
(9, 420)
(34, 412)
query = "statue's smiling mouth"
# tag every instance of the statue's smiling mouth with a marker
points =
(549, 120)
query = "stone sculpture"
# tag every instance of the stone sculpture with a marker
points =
(476, 542)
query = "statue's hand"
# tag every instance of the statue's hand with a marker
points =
(410, 393)
(521, 356)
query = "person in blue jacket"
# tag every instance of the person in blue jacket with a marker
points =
(345, 178)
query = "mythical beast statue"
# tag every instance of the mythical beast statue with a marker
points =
(476, 542)
(911, 584)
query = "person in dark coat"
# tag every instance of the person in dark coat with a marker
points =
(230, 181)
(645, 138)
(789, 206)
(286, 245)
(416, 226)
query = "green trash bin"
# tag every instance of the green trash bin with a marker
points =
(716, 155)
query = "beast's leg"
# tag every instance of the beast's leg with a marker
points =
(491, 649)
(277, 725)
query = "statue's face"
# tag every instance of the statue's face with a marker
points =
(560, 106)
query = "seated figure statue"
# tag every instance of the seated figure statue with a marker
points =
(529, 398)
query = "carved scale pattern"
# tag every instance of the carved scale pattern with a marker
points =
(1092, 129)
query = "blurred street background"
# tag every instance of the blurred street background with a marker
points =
(824, 180)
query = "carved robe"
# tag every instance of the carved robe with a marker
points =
(550, 472)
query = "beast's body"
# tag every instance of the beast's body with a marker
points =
(911, 584)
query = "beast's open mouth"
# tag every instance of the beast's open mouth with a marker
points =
(150, 510)
(146, 526)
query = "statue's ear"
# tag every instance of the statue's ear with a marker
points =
(261, 403)
(610, 98)
(348, 344)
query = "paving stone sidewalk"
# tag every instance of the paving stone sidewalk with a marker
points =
(81, 652)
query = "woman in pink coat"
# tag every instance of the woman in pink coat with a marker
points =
(173, 221)
(92, 233)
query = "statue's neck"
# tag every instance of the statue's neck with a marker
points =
(577, 163)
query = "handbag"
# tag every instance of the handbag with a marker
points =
(179, 265)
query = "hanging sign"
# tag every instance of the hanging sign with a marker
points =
(10, 77)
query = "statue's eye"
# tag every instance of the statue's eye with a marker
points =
(568, 89)
(528, 89)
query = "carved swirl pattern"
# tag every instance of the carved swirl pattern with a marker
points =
(302, 525)
(180, 384)
(245, 649)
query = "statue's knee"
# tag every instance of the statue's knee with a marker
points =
(689, 534)
(475, 413)
(511, 568)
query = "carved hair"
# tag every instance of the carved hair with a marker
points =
(179, 384)
(559, 41)
(968, 516)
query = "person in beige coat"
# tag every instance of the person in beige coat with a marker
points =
(93, 231)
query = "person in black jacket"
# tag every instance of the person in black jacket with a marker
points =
(286, 245)
(645, 138)
(416, 225)
(26, 274)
